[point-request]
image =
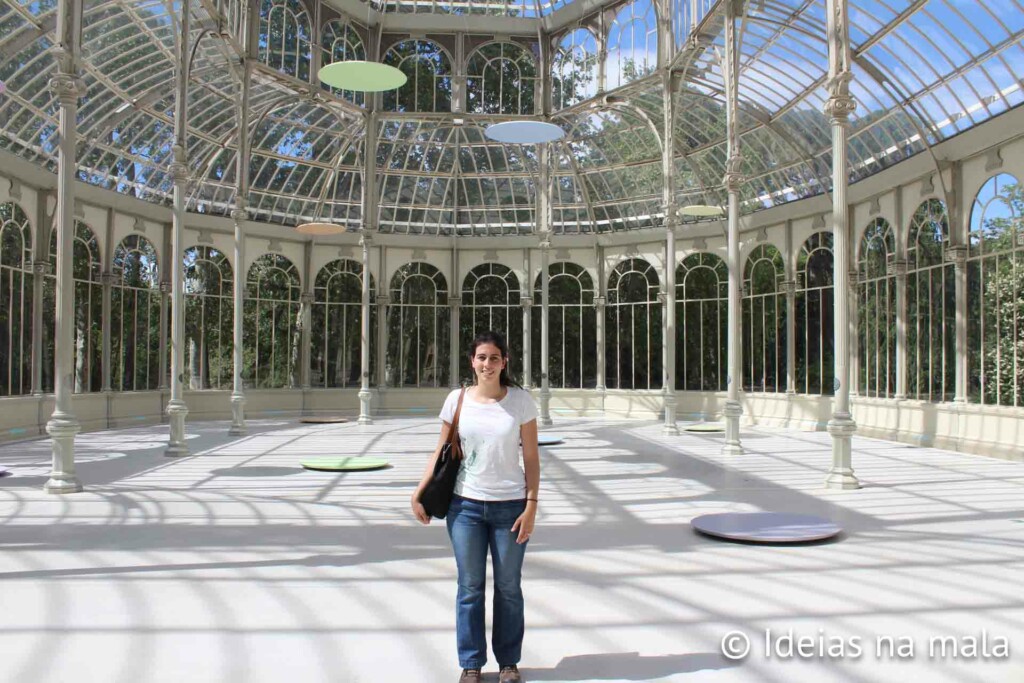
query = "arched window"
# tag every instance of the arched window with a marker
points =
(135, 316)
(429, 70)
(572, 328)
(632, 43)
(491, 301)
(340, 42)
(702, 296)
(88, 334)
(285, 40)
(337, 325)
(995, 299)
(272, 322)
(500, 79)
(815, 362)
(931, 306)
(209, 316)
(418, 327)
(633, 333)
(876, 310)
(574, 69)
(764, 321)
(15, 301)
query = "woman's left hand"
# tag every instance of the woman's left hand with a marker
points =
(524, 524)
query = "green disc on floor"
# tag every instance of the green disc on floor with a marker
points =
(704, 427)
(344, 464)
(325, 420)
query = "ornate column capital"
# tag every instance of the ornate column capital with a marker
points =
(733, 177)
(526, 302)
(957, 255)
(788, 287)
(454, 301)
(600, 302)
(239, 214)
(897, 267)
(383, 299)
(840, 103)
(42, 267)
(67, 88)
(179, 169)
(306, 298)
(108, 279)
(165, 287)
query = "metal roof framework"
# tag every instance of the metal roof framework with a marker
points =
(924, 71)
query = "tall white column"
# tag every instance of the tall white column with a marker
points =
(382, 319)
(526, 302)
(851, 322)
(176, 408)
(957, 253)
(839, 107)
(732, 180)
(545, 331)
(668, 386)
(107, 278)
(67, 86)
(900, 269)
(454, 303)
(669, 362)
(789, 287)
(544, 232)
(40, 269)
(370, 204)
(106, 317)
(306, 336)
(165, 308)
(599, 308)
(239, 215)
(382, 340)
(238, 400)
(365, 242)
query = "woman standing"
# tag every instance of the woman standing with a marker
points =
(494, 506)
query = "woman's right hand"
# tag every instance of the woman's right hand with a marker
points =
(419, 511)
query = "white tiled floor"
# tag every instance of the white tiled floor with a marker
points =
(235, 564)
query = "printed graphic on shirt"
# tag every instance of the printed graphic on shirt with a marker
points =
(471, 462)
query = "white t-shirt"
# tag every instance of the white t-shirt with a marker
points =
(489, 433)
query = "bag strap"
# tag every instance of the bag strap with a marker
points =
(453, 437)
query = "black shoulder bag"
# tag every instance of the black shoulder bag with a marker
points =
(437, 495)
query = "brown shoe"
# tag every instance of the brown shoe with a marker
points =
(470, 676)
(509, 674)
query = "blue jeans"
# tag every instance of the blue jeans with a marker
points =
(474, 526)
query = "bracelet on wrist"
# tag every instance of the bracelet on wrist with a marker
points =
(533, 499)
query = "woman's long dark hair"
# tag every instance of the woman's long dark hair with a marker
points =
(492, 337)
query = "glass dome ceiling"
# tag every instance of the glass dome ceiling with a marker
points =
(924, 71)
